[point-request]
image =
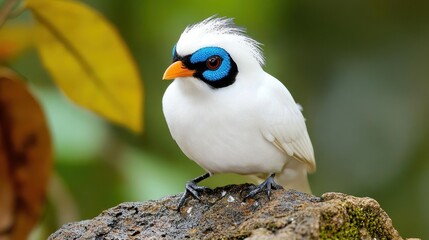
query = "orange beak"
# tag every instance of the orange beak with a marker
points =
(177, 69)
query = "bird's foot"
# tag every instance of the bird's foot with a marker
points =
(266, 186)
(193, 190)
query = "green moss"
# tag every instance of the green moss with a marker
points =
(360, 223)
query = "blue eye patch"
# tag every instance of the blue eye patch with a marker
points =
(174, 53)
(205, 53)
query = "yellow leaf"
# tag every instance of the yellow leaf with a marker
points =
(25, 157)
(14, 39)
(88, 60)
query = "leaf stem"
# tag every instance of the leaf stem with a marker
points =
(5, 10)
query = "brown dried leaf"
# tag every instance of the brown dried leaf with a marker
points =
(25, 158)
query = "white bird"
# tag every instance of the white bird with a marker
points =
(230, 116)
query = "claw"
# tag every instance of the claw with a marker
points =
(193, 190)
(266, 186)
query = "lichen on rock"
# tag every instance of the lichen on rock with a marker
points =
(360, 218)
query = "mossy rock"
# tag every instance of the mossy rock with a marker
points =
(354, 218)
(221, 214)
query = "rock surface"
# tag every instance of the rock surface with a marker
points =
(222, 215)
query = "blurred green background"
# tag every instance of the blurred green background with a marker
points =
(360, 69)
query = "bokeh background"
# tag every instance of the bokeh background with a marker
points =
(360, 69)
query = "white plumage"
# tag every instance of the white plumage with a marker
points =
(252, 126)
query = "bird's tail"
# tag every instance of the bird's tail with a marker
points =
(292, 176)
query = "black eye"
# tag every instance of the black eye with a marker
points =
(214, 62)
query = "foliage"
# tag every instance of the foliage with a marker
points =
(25, 157)
(99, 75)
(88, 60)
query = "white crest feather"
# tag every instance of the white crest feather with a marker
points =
(223, 25)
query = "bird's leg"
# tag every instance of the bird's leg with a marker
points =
(267, 185)
(192, 189)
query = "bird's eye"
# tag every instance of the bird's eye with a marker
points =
(214, 62)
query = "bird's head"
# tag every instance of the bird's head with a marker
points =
(214, 51)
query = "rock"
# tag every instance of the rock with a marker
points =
(222, 215)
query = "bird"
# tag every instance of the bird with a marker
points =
(229, 116)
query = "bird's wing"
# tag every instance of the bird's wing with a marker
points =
(284, 124)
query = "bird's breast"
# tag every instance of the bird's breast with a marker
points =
(220, 132)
